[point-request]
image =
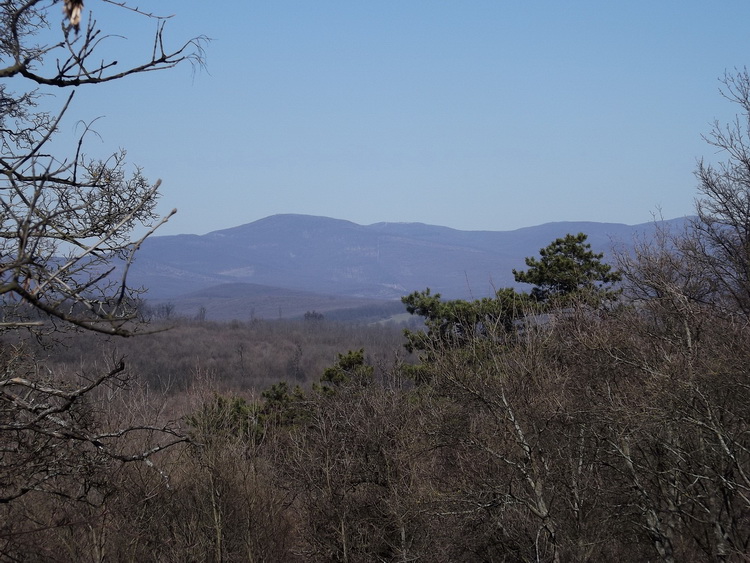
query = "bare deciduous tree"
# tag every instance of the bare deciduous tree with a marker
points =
(69, 227)
(65, 219)
(721, 231)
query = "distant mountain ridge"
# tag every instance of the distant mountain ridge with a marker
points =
(382, 261)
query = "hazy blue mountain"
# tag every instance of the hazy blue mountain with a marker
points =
(343, 259)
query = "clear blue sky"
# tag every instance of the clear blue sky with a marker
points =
(474, 114)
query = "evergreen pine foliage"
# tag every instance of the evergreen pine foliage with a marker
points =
(569, 267)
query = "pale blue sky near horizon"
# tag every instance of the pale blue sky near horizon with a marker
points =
(475, 115)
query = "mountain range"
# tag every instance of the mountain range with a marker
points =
(284, 265)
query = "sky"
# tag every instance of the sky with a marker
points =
(476, 115)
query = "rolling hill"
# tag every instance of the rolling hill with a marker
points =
(327, 264)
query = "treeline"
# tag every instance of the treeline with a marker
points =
(368, 313)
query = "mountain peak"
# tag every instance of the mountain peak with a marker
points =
(339, 257)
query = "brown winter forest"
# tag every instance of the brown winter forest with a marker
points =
(602, 415)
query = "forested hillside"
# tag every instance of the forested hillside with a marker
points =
(601, 416)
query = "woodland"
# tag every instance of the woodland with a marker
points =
(602, 415)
